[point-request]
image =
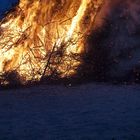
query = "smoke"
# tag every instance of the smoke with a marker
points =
(131, 10)
(115, 41)
(134, 10)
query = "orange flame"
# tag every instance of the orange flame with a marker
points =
(29, 33)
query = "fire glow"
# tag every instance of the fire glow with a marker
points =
(41, 37)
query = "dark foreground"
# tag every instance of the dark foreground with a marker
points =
(87, 112)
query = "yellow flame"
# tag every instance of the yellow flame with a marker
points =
(77, 18)
(29, 34)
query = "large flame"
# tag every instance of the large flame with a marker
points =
(30, 33)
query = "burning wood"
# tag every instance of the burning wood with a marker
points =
(45, 37)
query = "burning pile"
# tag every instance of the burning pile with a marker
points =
(45, 37)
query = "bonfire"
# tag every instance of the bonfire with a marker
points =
(45, 38)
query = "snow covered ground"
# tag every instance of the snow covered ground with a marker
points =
(84, 112)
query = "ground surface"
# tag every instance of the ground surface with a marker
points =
(86, 112)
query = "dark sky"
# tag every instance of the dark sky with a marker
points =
(5, 5)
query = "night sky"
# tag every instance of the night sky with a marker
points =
(5, 5)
